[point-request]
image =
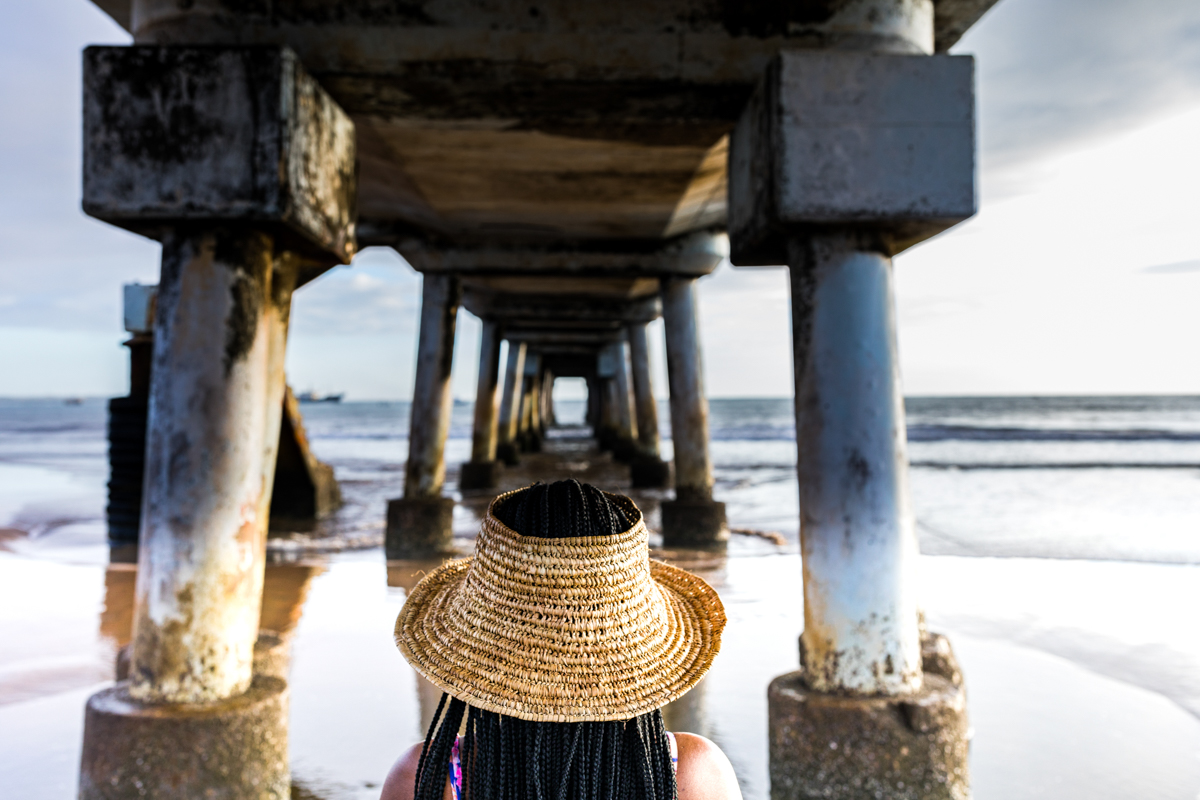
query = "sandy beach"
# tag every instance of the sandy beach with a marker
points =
(1083, 671)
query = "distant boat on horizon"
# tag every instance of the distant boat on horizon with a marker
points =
(313, 397)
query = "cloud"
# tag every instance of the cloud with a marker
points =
(1055, 73)
(1177, 267)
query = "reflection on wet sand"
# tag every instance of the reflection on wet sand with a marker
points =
(285, 588)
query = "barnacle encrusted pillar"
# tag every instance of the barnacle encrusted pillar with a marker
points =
(648, 470)
(483, 470)
(241, 165)
(842, 159)
(421, 522)
(693, 518)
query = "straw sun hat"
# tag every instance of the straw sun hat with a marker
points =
(561, 630)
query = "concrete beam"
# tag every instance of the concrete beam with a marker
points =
(890, 148)
(693, 254)
(548, 310)
(233, 135)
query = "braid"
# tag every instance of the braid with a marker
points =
(431, 769)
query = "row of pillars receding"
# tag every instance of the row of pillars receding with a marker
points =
(841, 158)
(621, 410)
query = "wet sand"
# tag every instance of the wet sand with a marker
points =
(1081, 674)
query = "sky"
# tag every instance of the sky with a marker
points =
(1079, 275)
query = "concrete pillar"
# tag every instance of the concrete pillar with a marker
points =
(692, 518)
(510, 404)
(195, 718)
(547, 395)
(625, 443)
(594, 402)
(209, 471)
(529, 435)
(841, 159)
(648, 470)
(483, 470)
(208, 475)
(860, 633)
(420, 523)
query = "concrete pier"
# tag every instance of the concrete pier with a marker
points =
(419, 523)
(507, 449)
(693, 518)
(842, 138)
(835, 182)
(482, 471)
(648, 470)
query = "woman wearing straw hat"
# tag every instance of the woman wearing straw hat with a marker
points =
(557, 646)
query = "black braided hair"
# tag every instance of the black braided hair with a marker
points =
(505, 758)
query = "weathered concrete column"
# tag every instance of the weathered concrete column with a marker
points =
(860, 632)
(529, 433)
(648, 470)
(421, 522)
(692, 518)
(208, 477)
(840, 160)
(250, 188)
(483, 470)
(510, 404)
(625, 444)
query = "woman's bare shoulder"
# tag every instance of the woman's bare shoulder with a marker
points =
(399, 783)
(704, 770)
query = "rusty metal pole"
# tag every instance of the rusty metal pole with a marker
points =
(420, 523)
(510, 404)
(693, 518)
(648, 470)
(219, 334)
(483, 470)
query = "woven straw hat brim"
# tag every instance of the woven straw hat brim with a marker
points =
(561, 630)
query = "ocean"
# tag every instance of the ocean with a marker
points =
(1061, 552)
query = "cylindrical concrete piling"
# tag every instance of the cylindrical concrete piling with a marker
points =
(857, 531)
(420, 523)
(692, 518)
(219, 334)
(530, 431)
(625, 444)
(483, 470)
(510, 404)
(648, 470)
(208, 478)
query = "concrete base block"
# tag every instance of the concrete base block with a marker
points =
(911, 747)
(236, 749)
(419, 527)
(650, 473)
(479, 475)
(508, 454)
(694, 523)
(272, 657)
